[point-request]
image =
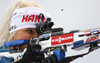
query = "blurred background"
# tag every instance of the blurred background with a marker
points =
(70, 15)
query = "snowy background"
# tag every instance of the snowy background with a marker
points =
(76, 15)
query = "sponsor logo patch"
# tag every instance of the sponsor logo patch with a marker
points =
(92, 38)
(18, 57)
(32, 18)
(66, 38)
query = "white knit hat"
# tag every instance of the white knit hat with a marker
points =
(27, 18)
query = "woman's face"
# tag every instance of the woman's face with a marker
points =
(25, 34)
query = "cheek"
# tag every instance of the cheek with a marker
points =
(21, 36)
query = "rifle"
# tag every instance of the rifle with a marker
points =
(53, 39)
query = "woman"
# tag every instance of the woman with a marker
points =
(5, 35)
(21, 19)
